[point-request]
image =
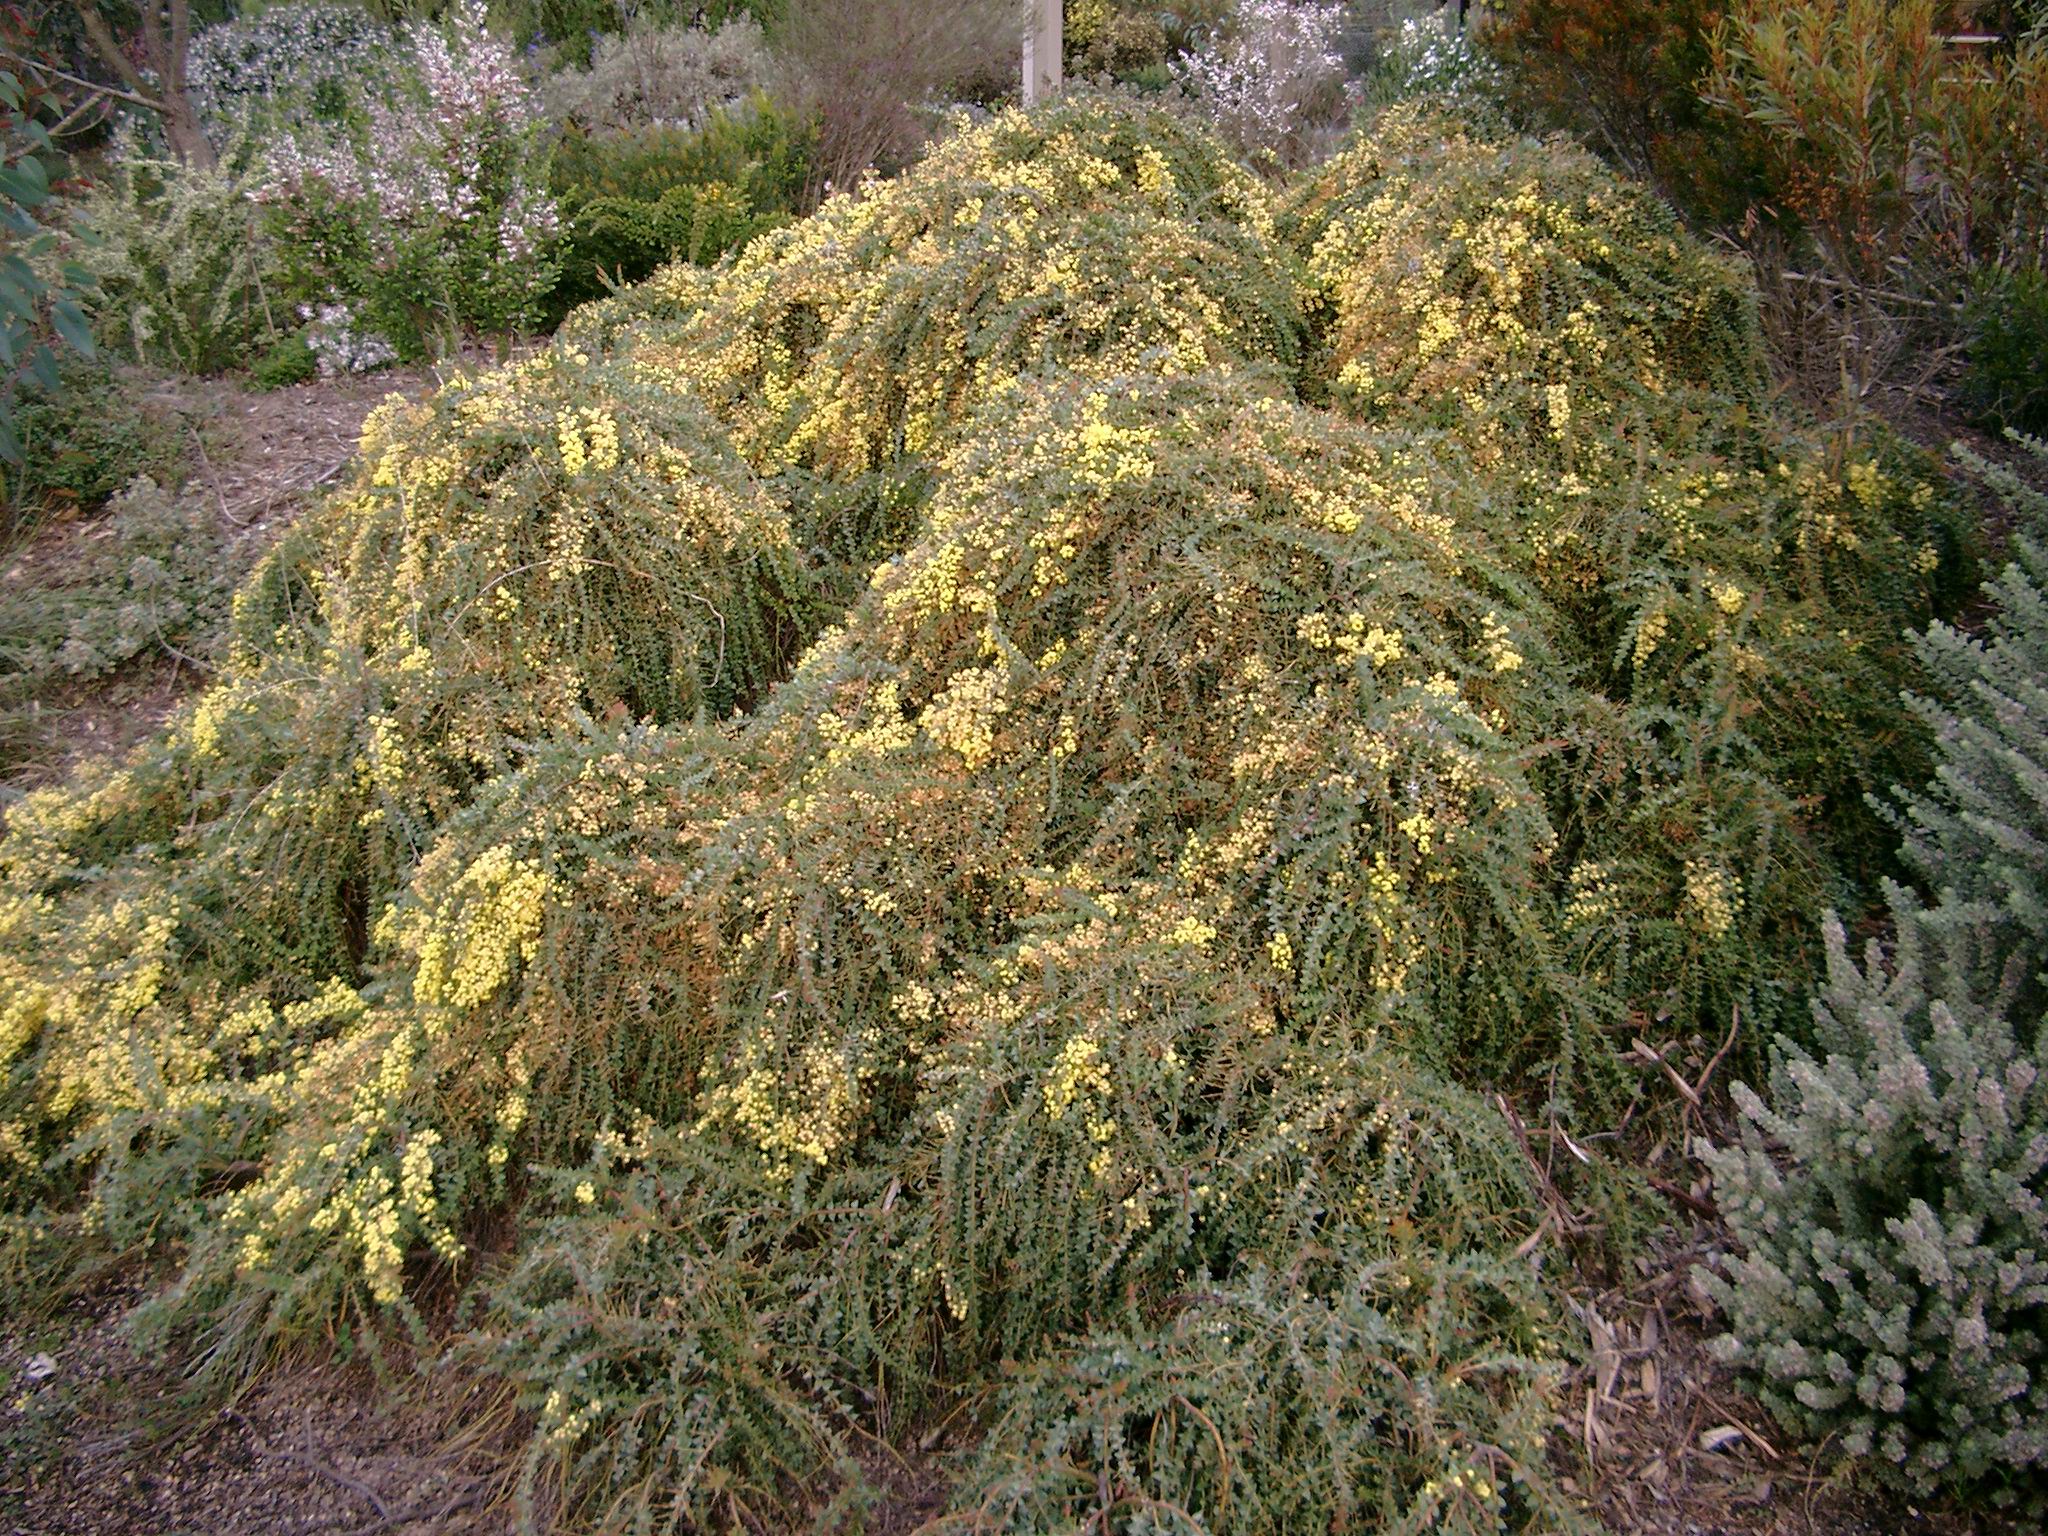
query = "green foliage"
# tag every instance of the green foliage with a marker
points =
(1404, 1399)
(2007, 382)
(1626, 74)
(32, 305)
(86, 439)
(1900, 154)
(288, 360)
(1888, 1205)
(634, 201)
(728, 1370)
(185, 277)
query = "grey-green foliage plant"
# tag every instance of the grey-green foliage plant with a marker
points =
(1981, 829)
(654, 76)
(32, 304)
(1891, 1286)
(156, 586)
(183, 269)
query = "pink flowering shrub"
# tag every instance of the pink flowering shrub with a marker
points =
(434, 219)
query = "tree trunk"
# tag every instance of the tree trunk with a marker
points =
(165, 36)
(1044, 45)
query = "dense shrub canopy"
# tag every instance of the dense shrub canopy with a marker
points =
(940, 838)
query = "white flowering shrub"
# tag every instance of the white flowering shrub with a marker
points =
(1273, 78)
(1433, 55)
(340, 344)
(1890, 1289)
(435, 219)
(307, 59)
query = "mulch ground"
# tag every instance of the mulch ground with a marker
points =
(96, 1440)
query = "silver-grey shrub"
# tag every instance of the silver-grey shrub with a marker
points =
(1889, 1287)
(660, 77)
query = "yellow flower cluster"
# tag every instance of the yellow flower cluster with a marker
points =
(466, 949)
(1499, 650)
(588, 437)
(1078, 1073)
(565, 1425)
(963, 718)
(802, 1116)
(1440, 257)
(1728, 597)
(1713, 897)
(1650, 633)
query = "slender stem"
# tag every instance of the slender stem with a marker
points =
(96, 87)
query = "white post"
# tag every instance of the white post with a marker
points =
(1043, 45)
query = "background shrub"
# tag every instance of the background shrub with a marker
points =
(1874, 168)
(288, 360)
(2007, 379)
(433, 220)
(1432, 55)
(1123, 42)
(632, 201)
(1271, 79)
(1627, 74)
(1901, 158)
(86, 439)
(655, 76)
(282, 64)
(186, 278)
(876, 72)
(39, 303)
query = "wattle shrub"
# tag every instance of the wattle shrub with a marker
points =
(1604, 372)
(919, 835)
(859, 338)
